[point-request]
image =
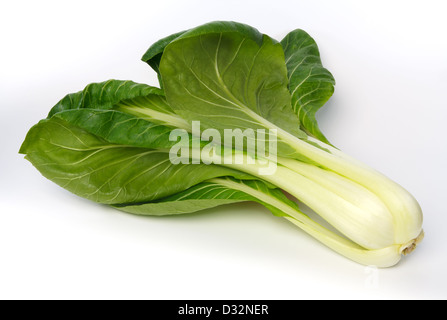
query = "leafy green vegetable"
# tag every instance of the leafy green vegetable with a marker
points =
(100, 171)
(212, 193)
(241, 84)
(310, 84)
(104, 95)
(112, 142)
(199, 197)
(153, 55)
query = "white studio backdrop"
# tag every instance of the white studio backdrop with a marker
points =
(389, 59)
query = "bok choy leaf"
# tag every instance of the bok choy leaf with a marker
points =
(310, 84)
(95, 169)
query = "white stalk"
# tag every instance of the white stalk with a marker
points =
(405, 211)
(384, 257)
(370, 230)
(354, 210)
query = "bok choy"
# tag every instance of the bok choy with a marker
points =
(159, 151)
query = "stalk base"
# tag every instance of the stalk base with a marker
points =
(410, 246)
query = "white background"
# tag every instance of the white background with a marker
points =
(389, 110)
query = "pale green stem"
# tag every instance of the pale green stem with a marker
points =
(384, 257)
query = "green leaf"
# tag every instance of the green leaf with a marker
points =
(104, 95)
(219, 27)
(153, 108)
(153, 55)
(95, 169)
(199, 197)
(229, 80)
(121, 112)
(210, 194)
(310, 84)
(120, 128)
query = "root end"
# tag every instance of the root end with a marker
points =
(411, 246)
